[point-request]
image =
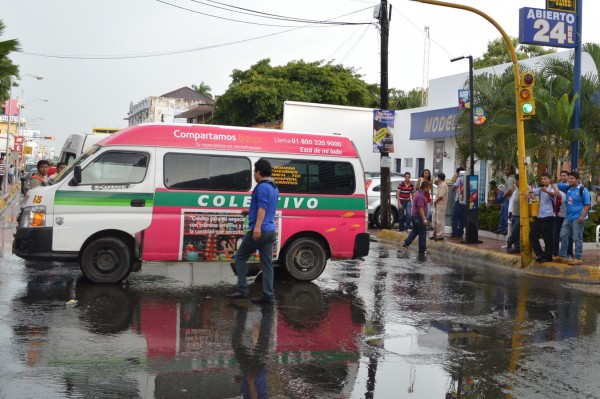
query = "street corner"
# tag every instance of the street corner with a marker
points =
(390, 235)
(581, 273)
(460, 251)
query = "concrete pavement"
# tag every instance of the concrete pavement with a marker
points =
(490, 252)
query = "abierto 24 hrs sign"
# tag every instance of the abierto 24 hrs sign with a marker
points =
(547, 27)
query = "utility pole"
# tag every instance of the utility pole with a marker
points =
(384, 23)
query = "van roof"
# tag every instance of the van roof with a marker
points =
(228, 138)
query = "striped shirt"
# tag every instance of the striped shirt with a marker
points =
(405, 190)
(2, 169)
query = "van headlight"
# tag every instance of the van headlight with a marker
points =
(33, 216)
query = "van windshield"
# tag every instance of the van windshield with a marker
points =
(78, 161)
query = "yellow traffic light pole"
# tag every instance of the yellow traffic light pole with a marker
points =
(526, 258)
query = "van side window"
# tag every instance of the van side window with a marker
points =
(116, 167)
(313, 177)
(207, 172)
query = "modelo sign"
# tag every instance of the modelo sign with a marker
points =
(547, 27)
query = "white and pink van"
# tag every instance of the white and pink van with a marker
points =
(159, 192)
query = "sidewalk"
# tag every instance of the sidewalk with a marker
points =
(6, 198)
(490, 251)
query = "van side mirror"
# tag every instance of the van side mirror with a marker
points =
(77, 175)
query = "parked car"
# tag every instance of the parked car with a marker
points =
(374, 199)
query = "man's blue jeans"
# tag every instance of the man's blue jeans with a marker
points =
(574, 230)
(514, 241)
(404, 216)
(265, 248)
(459, 213)
(418, 229)
(503, 226)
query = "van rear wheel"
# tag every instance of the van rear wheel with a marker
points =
(305, 259)
(106, 260)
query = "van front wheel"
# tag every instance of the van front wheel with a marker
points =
(305, 259)
(106, 260)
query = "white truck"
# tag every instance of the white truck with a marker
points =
(77, 143)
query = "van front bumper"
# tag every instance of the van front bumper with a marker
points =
(36, 244)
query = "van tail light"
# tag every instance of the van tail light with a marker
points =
(368, 183)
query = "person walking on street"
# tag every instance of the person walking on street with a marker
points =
(404, 198)
(578, 205)
(513, 243)
(2, 172)
(261, 236)
(419, 219)
(459, 210)
(440, 204)
(544, 222)
(426, 176)
(11, 174)
(40, 178)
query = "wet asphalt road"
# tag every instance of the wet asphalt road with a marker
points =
(391, 326)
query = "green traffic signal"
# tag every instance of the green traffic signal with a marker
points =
(527, 108)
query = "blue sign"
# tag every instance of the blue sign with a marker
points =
(436, 124)
(547, 27)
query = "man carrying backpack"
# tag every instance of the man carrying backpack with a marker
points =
(578, 204)
(560, 210)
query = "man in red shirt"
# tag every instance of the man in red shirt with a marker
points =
(419, 219)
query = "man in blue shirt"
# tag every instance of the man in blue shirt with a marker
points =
(261, 236)
(578, 204)
(544, 223)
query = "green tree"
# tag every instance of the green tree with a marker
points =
(498, 53)
(203, 89)
(257, 95)
(7, 68)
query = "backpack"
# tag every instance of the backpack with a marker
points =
(557, 203)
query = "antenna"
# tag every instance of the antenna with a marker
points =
(425, 84)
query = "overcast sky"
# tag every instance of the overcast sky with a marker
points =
(57, 36)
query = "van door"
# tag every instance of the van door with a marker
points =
(116, 193)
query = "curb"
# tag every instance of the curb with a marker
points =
(8, 197)
(481, 257)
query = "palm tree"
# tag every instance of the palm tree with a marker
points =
(7, 68)
(203, 89)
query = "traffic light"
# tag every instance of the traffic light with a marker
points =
(526, 103)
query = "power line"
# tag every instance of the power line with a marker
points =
(174, 52)
(282, 17)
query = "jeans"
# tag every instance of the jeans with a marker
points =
(573, 229)
(503, 226)
(558, 222)
(418, 229)
(404, 215)
(265, 248)
(459, 213)
(515, 234)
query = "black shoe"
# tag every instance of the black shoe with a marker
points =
(439, 238)
(236, 295)
(541, 259)
(261, 300)
(433, 238)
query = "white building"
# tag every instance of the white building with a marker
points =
(424, 138)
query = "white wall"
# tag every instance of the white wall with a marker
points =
(357, 123)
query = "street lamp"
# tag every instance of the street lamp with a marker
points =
(472, 233)
(10, 81)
